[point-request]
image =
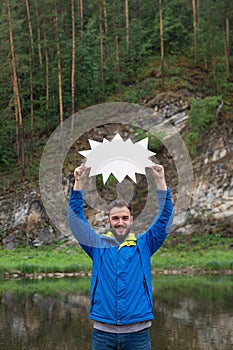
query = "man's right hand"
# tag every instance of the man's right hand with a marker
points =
(80, 175)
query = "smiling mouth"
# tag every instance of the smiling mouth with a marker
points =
(120, 229)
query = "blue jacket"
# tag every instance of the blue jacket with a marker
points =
(121, 290)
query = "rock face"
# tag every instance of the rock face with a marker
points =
(214, 182)
(24, 220)
(212, 200)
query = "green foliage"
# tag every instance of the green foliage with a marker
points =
(7, 151)
(201, 116)
(204, 251)
(139, 78)
(202, 112)
(176, 26)
(197, 251)
(155, 138)
(44, 259)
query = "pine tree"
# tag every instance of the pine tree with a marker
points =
(59, 73)
(161, 42)
(32, 56)
(18, 111)
(101, 51)
(73, 59)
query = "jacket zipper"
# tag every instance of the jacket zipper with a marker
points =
(94, 290)
(147, 292)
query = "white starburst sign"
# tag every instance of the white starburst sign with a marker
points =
(118, 157)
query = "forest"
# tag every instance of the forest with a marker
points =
(58, 57)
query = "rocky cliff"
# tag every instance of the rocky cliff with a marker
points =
(211, 208)
(24, 220)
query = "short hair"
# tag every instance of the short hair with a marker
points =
(118, 203)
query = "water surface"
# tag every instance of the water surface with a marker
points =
(193, 313)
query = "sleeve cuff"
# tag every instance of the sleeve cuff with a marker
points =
(76, 194)
(162, 194)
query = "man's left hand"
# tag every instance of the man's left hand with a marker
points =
(159, 176)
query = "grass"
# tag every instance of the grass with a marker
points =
(44, 259)
(206, 252)
(210, 260)
(198, 252)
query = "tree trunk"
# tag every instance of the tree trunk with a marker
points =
(106, 30)
(46, 79)
(31, 80)
(31, 112)
(127, 26)
(17, 130)
(73, 63)
(30, 28)
(38, 36)
(18, 113)
(58, 64)
(161, 43)
(80, 11)
(117, 65)
(194, 29)
(101, 51)
(198, 13)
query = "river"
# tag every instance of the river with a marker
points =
(191, 313)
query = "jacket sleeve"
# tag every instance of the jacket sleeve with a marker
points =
(161, 225)
(87, 237)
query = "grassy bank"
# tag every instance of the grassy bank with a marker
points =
(195, 253)
(198, 252)
(44, 259)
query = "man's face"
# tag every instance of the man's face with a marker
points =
(120, 221)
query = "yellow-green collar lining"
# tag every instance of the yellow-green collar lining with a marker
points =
(131, 239)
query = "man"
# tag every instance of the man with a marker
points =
(121, 292)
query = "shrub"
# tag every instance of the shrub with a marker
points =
(202, 115)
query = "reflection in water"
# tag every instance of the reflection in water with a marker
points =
(194, 318)
(39, 322)
(192, 325)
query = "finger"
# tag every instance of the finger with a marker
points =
(77, 172)
(156, 166)
(80, 168)
(81, 171)
(157, 169)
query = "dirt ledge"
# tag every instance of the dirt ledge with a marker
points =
(166, 272)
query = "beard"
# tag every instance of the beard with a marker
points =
(121, 237)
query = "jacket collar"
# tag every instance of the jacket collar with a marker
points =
(131, 239)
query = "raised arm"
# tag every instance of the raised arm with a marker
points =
(80, 175)
(81, 229)
(157, 171)
(159, 229)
